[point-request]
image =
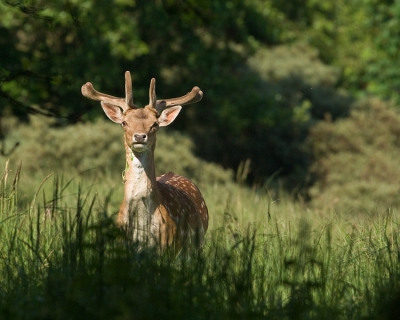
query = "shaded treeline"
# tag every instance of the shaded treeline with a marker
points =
(269, 70)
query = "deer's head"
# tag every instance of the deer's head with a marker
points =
(141, 124)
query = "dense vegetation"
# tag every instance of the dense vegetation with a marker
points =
(95, 151)
(295, 147)
(269, 69)
(63, 258)
(356, 159)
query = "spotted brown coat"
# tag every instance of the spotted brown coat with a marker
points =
(164, 211)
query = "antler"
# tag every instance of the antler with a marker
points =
(152, 94)
(193, 96)
(89, 92)
(128, 91)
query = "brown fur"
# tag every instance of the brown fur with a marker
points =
(176, 204)
(164, 211)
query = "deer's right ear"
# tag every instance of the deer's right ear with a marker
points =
(113, 112)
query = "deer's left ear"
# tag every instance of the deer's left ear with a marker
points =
(168, 115)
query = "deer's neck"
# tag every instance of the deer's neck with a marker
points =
(141, 194)
(140, 178)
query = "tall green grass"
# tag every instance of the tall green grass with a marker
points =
(62, 257)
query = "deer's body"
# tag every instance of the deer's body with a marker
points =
(164, 211)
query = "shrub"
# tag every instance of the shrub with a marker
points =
(99, 147)
(356, 160)
(295, 90)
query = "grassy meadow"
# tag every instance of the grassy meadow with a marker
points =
(266, 254)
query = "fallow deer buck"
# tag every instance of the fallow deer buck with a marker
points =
(163, 211)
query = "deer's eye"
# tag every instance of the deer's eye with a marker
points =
(155, 125)
(123, 123)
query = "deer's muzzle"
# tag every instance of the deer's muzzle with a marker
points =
(140, 137)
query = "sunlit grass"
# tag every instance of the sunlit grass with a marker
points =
(265, 256)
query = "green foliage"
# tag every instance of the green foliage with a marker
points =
(359, 37)
(300, 91)
(97, 150)
(269, 70)
(51, 48)
(382, 70)
(56, 47)
(356, 159)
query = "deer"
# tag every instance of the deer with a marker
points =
(165, 211)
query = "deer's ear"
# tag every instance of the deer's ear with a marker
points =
(113, 112)
(168, 115)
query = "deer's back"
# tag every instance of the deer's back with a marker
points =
(183, 202)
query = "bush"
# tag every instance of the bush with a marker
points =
(356, 160)
(295, 90)
(99, 148)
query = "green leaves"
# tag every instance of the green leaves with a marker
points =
(269, 69)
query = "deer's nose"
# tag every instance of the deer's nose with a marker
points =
(140, 137)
